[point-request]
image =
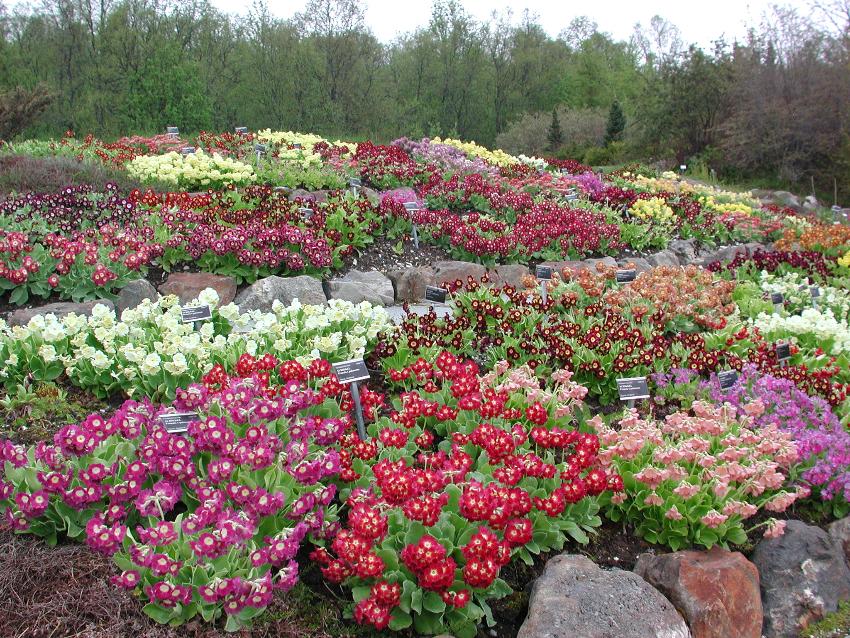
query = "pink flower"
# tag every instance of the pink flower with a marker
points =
(686, 490)
(653, 499)
(713, 519)
(673, 514)
(775, 528)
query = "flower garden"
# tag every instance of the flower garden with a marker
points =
(226, 465)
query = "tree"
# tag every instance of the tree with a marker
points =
(20, 108)
(555, 136)
(616, 123)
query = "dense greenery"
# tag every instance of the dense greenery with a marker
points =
(774, 106)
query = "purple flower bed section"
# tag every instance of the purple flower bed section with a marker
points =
(822, 442)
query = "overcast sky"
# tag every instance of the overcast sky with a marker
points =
(699, 22)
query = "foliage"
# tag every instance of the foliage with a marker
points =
(694, 478)
(21, 107)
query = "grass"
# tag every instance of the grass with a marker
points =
(835, 625)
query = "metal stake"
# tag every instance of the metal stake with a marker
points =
(358, 409)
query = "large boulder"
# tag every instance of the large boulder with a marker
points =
(188, 285)
(357, 286)
(451, 271)
(353, 292)
(22, 316)
(574, 597)
(509, 274)
(133, 294)
(716, 591)
(410, 284)
(840, 532)
(262, 293)
(803, 578)
(684, 249)
(663, 258)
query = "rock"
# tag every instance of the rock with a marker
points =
(716, 591)
(133, 294)
(840, 532)
(188, 285)
(640, 264)
(353, 292)
(375, 287)
(663, 258)
(262, 293)
(511, 275)
(410, 284)
(684, 249)
(22, 316)
(450, 271)
(573, 597)
(803, 577)
(811, 203)
(605, 261)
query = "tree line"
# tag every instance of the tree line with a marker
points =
(774, 106)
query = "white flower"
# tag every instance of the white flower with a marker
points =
(47, 353)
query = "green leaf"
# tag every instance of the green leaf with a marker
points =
(400, 620)
(157, 613)
(433, 602)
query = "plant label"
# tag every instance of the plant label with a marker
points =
(435, 294)
(815, 292)
(626, 276)
(351, 371)
(355, 182)
(776, 298)
(564, 171)
(195, 313)
(783, 351)
(683, 167)
(297, 146)
(187, 150)
(543, 272)
(632, 388)
(412, 207)
(260, 148)
(727, 379)
(172, 131)
(177, 422)
(241, 130)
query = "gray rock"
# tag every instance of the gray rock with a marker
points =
(22, 316)
(133, 294)
(261, 294)
(574, 598)
(803, 576)
(840, 533)
(410, 284)
(811, 203)
(684, 249)
(451, 271)
(373, 284)
(663, 258)
(353, 292)
(605, 261)
(640, 264)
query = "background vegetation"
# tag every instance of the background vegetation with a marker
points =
(773, 108)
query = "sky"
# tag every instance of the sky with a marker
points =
(699, 22)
